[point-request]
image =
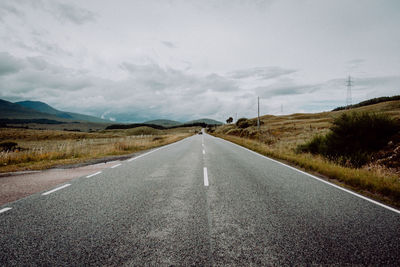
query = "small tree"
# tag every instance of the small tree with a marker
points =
(229, 120)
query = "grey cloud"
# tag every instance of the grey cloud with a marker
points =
(356, 61)
(215, 82)
(60, 10)
(285, 90)
(168, 44)
(38, 74)
(48, 48)
(9, 64)
(53, 81)
(379, 83)
(390, 82)
(263, 73)
(73, 14)
(6, 9)
(152, 76)
(149, 91)
(39, 45)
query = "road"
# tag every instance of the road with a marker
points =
(200, 201)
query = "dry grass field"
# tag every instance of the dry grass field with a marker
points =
(280, 135)
(41, 149)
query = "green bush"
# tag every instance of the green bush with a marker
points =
(244, 123)
(8, 146)
(234, 131)
(316, 146)
(353, 137)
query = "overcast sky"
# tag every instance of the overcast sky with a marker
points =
(181, 60)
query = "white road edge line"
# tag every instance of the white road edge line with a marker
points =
(115, 166)
(205, 176)
(91, 175)
(5, 209)
(145, 154)
(55, 189)
(319, 179)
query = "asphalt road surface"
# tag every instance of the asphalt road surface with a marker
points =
(201, 201)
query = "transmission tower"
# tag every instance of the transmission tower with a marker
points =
(348, 99)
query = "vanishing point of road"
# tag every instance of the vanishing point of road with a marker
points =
(201, 201)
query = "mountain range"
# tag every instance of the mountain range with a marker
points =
(35, 111)
(171, 123)
(45, 108)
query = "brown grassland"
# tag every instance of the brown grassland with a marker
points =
(280, 135)
(41, 149)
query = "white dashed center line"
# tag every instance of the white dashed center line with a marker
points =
(204, 152)
(93, 174)
(205, 177)
(4, 210)
(56, 189)
(115, 166)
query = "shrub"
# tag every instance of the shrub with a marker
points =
(8, 146)
(317, 145)
(234, 131)
(244, 123)
(353, 137)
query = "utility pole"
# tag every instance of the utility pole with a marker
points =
(258, 113)
(236, 117)
(348, 99)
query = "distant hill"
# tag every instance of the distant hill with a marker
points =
(9, 110)
(171, 123)
(45, 108)
(370, 102)
(164, 123)
(154, 124)
(206, 121)
(39, 112)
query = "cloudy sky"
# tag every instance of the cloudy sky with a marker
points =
(187, 59)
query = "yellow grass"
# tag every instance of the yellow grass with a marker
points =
(44, 149)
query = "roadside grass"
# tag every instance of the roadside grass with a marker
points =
(48, 148)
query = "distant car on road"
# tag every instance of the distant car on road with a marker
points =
(200, 132)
